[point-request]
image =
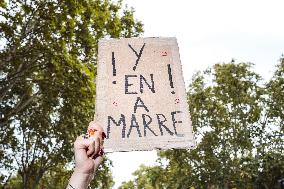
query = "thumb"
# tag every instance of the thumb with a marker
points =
(97, 161)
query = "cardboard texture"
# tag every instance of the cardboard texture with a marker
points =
(141, 98)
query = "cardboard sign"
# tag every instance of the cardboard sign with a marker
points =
(141, 99)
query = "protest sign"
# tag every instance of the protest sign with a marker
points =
(141, 99)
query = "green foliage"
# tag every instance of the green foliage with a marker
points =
(47, 74)
(238, 122)
(58, 177)
(103, 177)
(147, 178)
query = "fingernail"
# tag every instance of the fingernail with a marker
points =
(101, 152)
(95, 156)
(103, 135)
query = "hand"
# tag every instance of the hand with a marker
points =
(89, 151)
(88, 156)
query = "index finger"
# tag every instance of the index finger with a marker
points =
(95, 130)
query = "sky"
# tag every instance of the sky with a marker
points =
(208, 32)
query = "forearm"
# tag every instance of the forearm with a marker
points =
(79, 180)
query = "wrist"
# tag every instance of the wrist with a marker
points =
(80, 180)
(83, 171)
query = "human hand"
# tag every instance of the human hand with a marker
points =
(88, 156)
(89, 150)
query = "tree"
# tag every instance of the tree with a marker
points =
(58, 177)
(271, 149)
(147, 178)
(47, 73)
(238, 125)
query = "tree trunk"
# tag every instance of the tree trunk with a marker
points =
(38, 177)
(25, 180)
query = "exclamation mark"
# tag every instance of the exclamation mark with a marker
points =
(113, 66)
(171, 78)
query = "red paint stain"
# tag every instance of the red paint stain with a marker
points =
(164, 53)
(177, 100)
(91, 132)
